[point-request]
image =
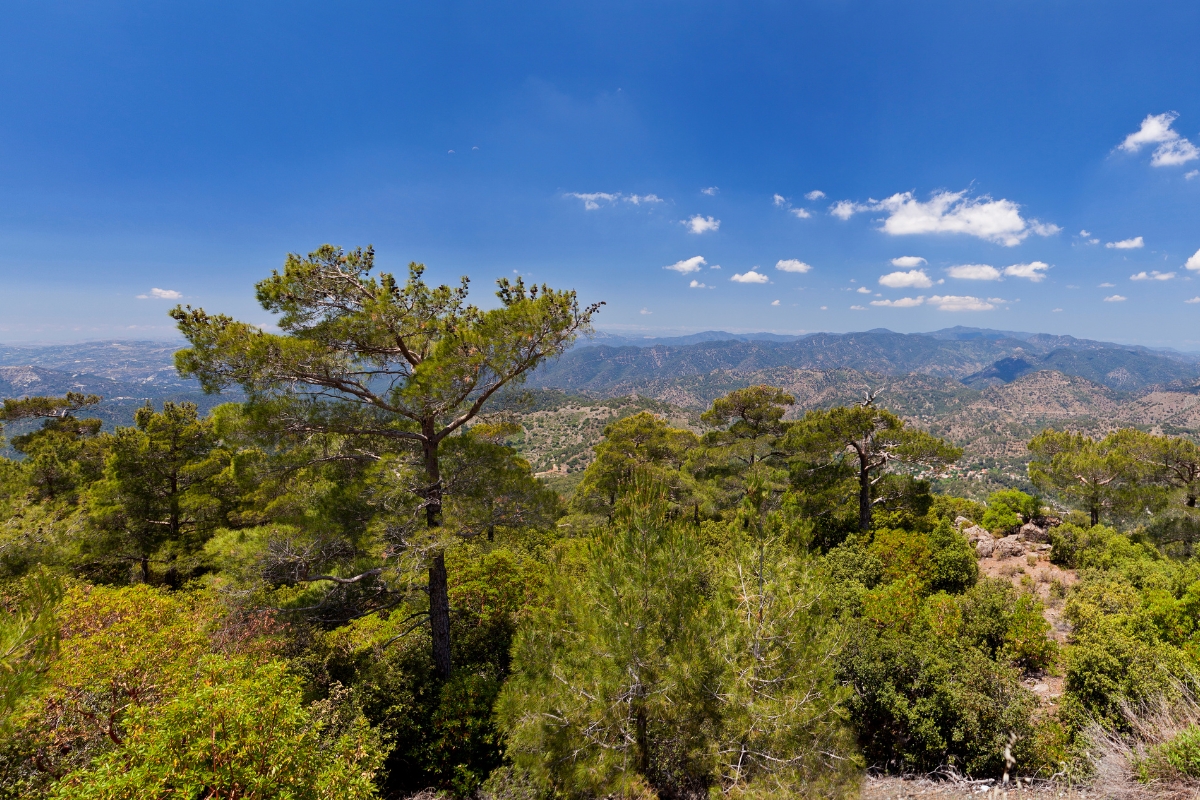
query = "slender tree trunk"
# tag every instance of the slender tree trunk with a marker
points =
(439, 615)
(1095, 516)
(145, 569)
(864, 496)
(439, 596)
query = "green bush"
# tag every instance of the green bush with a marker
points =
(236, 731)
(1178, 757)
(1008, 509)
(954, 565)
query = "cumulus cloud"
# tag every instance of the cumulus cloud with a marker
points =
(858, 308)
(160, 294)
(1153, 275)
(974, 272)
(815, 194)
(692, 264)
(1127, 244)
(1115, 298)
(638, 199)
(792, 265)
(845, 209)
(997, 221)
(750, 277)
(702, 224)
(774, 302)
(952, 302)
(903, 302)
(899, 280)
(645, 311)
(908, 261)
(695, 284)
(1193, 263)
(779, 200)
(800, 212)
(1193, 300)
(1034, 271)
(1172, 149)
(711, 191)
(1192, 174)
(863, 290)
(1107, 285)
(1087, 237)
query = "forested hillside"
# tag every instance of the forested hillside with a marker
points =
(349, 582)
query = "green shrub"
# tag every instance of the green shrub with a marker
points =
(1008, 509)
(1178, 757)
(236, 731)
(954, 565)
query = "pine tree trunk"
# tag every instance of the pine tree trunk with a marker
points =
(864, 497)
(439, 597)
(439, 615)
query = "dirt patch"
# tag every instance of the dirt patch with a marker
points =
(893, 788)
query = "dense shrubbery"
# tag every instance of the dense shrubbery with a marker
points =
(307, 598)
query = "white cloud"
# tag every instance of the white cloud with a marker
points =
(974, 272)
(645, 311)
(844, 209)
(774, 302)
(592, 200)
(1172, 154)
(1193, 300)
(1085, 234)
(1193, 263)
(792, 265)
(800, 212)
(908, 261)
(715, 266)
(824, 308)
(815, 194)
(1044, 228)
(952, 302)
(863, 290)
(750, 277)
(903, 302)
(1034, 271)
(711, 191)
(1056, 309)
(997, 221)
(692, 264)
(1115, 298)
(702, 224)
(1154, 275)
(1192, 174)
(858, 308)
(1087, 237)
(1127, 244)
(695, 284)
(899, 280)
(160, 294)
(779, 200)
(1107, 285)
(1172, 149)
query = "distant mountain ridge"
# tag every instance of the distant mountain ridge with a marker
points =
(976, 357)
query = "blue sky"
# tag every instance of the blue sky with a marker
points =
(187, 147)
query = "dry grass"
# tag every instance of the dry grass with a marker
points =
(1115, 757)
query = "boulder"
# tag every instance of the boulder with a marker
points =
(1009, 546)
(1032, 533)
(985, 547)
(960, 521)
(974, 533)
